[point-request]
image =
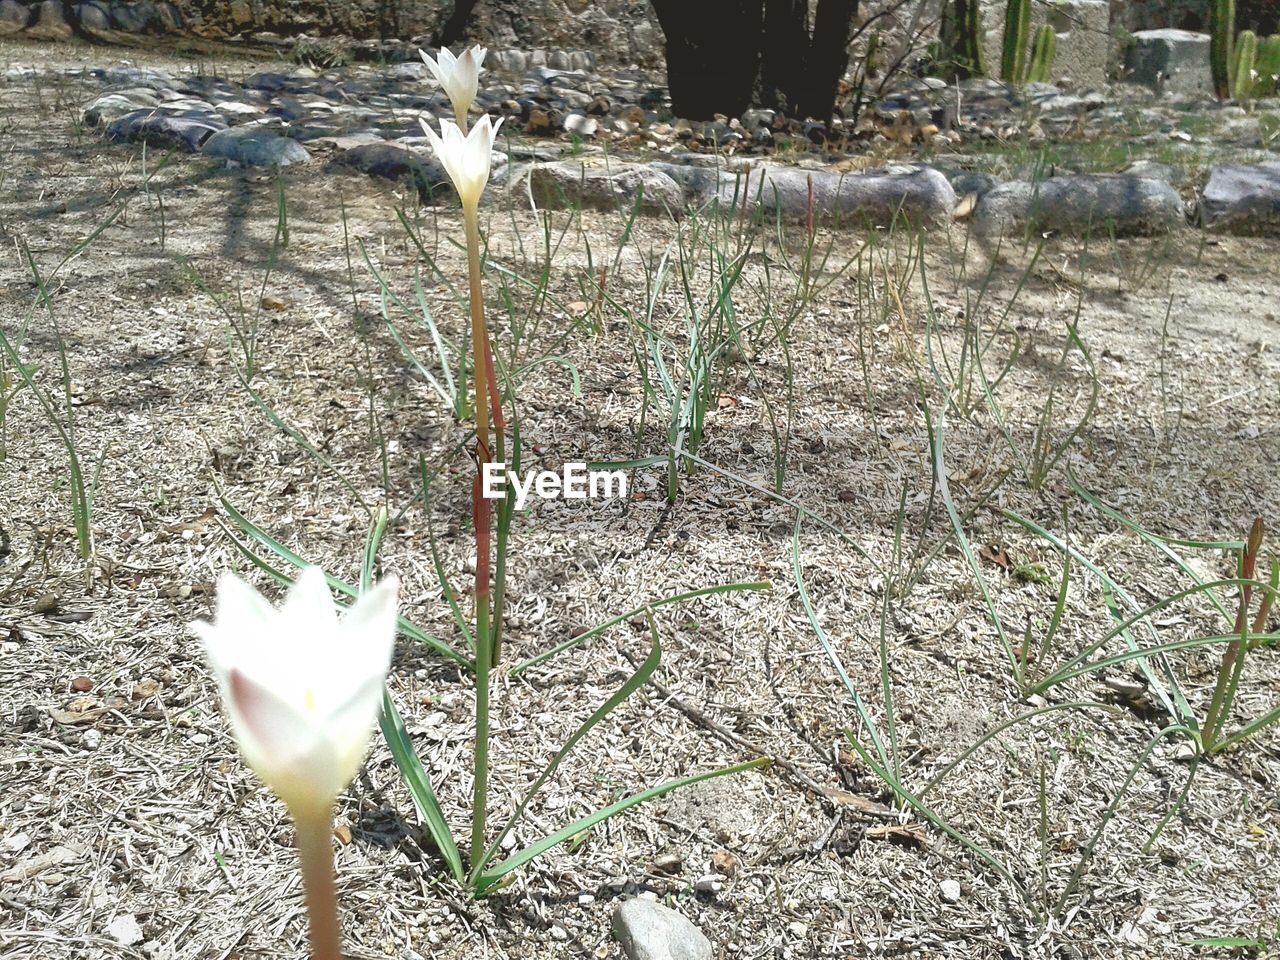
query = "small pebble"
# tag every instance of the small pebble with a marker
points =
(81, 685)
(950, 890)
(711, 883)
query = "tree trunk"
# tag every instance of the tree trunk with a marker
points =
(454, 29)
(800, 67)
(784, 49)
(818, 83)
(713, 54)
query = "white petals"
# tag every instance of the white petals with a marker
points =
(301, 687)
(460, 76)
(465, 158)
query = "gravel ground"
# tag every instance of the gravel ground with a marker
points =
(128, 825)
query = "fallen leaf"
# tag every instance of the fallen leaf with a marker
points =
(722, 861)
(667, 863)
(847, 799)
(908, 835)
(145, 688)
(997, 554)
(54, 857)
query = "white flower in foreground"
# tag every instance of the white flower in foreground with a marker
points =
(460, 76)
(466, 158)
(302, 688)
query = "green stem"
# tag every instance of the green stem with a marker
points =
(480, 788)
(315, 851)
(481, 515)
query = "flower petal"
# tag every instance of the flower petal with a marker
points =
(369, 630)
(240, 615)
(308, 622)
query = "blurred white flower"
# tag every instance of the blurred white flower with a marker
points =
(460, 76)
(465, 158)
(301, 687)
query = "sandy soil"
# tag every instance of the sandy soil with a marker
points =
(129, 801)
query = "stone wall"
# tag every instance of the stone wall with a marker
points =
(1260, 15)
(618, 31)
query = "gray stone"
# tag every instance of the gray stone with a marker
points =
(392, 162)
(1171, 61)
(581, 126)
(185, 131)
(113, 106)
(965, 182)
(1243, 199)
(13, 17)
(1079, 203)
(50, 22)
(169, 17)
(133, 17)
(919, 195)
(1241, 132)
(605, 186)
(93, 17)
(254, 145)
(649, 931)
(1151, 170)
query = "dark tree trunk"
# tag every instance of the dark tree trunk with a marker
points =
(454, 29)
(783, 51)
(713, 54)
(817, 85)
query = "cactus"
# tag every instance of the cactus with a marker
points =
(962, 35)
(1223, 28)
(1268, 67)
(1245, 65)
(1017, 30)
(1042, 54)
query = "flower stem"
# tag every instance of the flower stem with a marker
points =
(315, 850)
(481, 365)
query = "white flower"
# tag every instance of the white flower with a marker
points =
(302, 688)
(466, 158)
(460, 76)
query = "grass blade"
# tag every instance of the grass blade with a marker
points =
(490, 877)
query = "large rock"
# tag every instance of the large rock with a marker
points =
(93, 18)
(14, 16)
(1172, 61)
(1080, 203)
(50, 22)
(919, 195)
(113, 106)
(605, 186)
(186, 131)
(393, 162)
(1243, 199)
(649, 931)
(254, 145)
(138, 17)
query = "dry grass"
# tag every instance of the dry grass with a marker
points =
(129, 800)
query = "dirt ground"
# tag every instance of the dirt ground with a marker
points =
(128, 802)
